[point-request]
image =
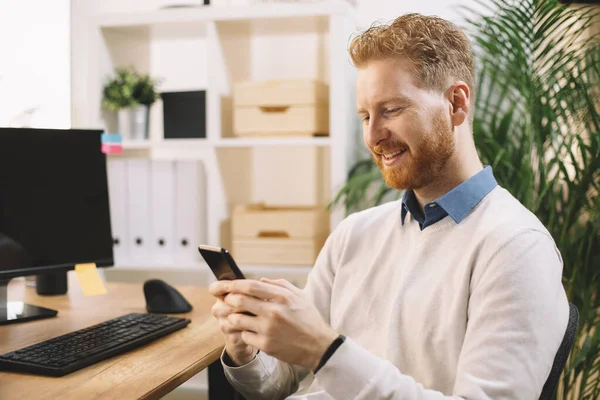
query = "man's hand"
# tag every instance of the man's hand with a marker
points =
(239, 352)
(285, 324)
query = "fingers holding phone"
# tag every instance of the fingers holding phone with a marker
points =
(225, 269)
(218, 289)
(239, 352)
(221, 311)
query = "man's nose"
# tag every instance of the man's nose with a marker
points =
(377, 132)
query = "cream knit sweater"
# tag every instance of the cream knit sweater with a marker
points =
(474, 310)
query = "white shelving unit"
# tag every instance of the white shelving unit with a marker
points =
(273, 142)
(215, 13)
(210, 48)
(137, 145)
(226, 142)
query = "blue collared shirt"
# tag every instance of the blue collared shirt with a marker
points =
(457, 203)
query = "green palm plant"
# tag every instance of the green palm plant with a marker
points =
(537, 123)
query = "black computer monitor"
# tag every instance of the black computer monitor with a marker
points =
(54, 208)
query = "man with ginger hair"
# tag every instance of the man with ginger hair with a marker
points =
(451, 292)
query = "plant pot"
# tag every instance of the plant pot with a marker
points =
(133, 122)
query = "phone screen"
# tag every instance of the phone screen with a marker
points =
(221, 263)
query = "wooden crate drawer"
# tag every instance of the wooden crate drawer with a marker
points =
(295, 120)
(278, 235)
(280, 92)
(259, 221)
(281, 108)
(277, 251)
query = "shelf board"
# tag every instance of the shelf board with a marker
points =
(209, 13)
(273, 142)
(136, 144)
(228, 142)
(183, 144)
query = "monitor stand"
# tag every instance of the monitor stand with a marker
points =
(16, 311)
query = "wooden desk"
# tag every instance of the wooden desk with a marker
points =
(148, 372)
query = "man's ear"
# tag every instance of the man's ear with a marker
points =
(459, 97)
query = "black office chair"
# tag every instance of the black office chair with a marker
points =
(562, 354)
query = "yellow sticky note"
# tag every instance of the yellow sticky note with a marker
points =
(89, 279)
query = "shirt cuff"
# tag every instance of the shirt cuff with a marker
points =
(253, 371)
(348, 371)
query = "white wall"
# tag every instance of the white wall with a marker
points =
(35, 63)
(386, 10)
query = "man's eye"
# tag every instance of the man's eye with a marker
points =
(392, 110)
(365, 117)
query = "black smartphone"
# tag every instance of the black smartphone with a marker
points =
(220, 262)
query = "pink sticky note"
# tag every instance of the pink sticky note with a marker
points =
(112, 148)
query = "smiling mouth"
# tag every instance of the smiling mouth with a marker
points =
(389, 156)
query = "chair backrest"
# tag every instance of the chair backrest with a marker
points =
(562, 354)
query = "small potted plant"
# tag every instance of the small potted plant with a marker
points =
(130, 94)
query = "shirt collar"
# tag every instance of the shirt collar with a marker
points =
(409, 204)
(459, 201)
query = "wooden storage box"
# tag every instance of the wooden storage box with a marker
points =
(277, 235)
(281, 108)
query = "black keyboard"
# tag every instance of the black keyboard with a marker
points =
(64, 354)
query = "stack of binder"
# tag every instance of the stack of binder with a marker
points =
(158, 211)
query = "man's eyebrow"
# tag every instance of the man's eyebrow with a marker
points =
(395, 99)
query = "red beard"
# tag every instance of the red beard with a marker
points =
(419, 166)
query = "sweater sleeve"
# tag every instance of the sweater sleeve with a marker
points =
(517, 317)
(265, 377)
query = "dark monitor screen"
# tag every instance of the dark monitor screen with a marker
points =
(54, 201)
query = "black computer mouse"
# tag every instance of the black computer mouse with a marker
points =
(162, 298)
